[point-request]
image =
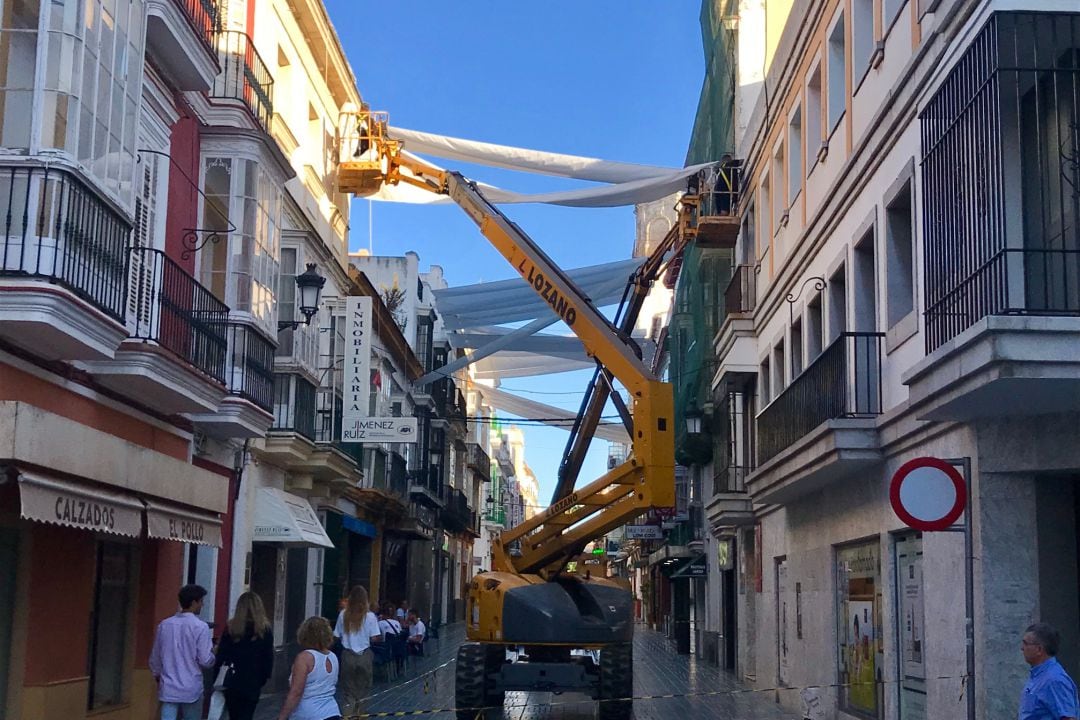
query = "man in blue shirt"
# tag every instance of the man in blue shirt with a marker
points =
(1050, 694)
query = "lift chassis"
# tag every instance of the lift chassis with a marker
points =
(527, 606)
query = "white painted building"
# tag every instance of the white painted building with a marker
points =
(909, 224)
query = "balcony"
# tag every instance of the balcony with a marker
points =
(244, 77)
(736, 344)
(174, 358)
(333, 460)
(479, 461)
(248, 408)
(291, 439)
(1002, 280)
(730, 505)
(823, 425)
(63, 266)
(457, 516)
(180, 37)
(427, 488)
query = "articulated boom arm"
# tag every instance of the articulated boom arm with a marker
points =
(367, 160)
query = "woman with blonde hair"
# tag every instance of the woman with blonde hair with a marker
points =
(357, 627)
(314, 675)
(247, 649)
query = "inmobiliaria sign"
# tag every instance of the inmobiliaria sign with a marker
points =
(357, 372)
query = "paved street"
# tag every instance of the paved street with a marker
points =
(658, 670)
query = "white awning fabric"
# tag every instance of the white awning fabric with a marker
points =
(629, 183)
(554, 416)
(514, 300)
(282, 517)
(172, 522)
(64, 502)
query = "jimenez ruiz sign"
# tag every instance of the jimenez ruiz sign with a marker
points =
(376, 430)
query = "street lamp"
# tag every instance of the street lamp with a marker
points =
(309, 284)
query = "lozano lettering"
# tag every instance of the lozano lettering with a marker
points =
(567, 502)
(561, 305)
(81, 512)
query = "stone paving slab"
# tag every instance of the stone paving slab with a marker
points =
(428, 684)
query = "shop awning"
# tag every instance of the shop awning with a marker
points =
(282, 517)
(64, 502)
(358, 526)
(172, 522)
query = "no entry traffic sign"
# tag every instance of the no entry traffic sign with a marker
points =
(928, 494)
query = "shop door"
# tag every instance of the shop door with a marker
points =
(9, 545)
(730, 620)
(264, 575)
(360, 564)
(296, 593)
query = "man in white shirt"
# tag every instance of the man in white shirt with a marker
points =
(182, 650)
(388, 625)
(401, 611)
(417, 631)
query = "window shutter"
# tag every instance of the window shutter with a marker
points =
(141, 290)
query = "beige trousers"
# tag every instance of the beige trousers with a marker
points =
(354, 681)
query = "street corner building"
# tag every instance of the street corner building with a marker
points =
(884, 268)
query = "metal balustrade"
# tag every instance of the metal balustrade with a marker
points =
(205, 18)
(741, 293)
(249, 371)
(294, 405)
(169, 306)
(244, 76)
(843, 382)
(58, 230)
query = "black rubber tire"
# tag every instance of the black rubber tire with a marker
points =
(494, 657)
(616, 681)
(469, 680)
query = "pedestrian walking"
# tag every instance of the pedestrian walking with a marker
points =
(314, 677)
(1050, 694)
(182, 649)
(402, 611)
(247, 650)
(357, 627)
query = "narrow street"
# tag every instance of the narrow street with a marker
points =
(428, 684)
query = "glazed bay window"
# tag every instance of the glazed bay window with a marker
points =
(241, 267)
(90, 70)
(301, 344)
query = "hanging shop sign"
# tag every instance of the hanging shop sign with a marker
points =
(692, 568)
(644, 532)
(928, 494)
(379, 429)
(356, 375)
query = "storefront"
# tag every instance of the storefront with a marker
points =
(95, 568)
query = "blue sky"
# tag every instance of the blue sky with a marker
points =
(614, 80)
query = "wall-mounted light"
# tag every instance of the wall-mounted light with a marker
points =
(309, 285)
(693, 421)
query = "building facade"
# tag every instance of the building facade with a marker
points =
(900, 286)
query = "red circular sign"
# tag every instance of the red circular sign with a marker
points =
(928, 494)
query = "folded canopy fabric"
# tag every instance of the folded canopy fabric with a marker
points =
(514, 300)
(510, 364)
(630, 183)
(554, 416)
(537, 161)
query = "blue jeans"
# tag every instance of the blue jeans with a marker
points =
(181, 711)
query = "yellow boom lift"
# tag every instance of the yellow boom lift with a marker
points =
(528, 603)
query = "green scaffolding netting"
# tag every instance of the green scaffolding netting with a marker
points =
(714, 123)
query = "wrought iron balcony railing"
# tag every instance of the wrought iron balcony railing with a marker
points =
(457, 515)
(294, 405)
(244, 76)
(58, 230)
(249, 369)
(205, 17)
(169, 306)
(479, 461)
(843, 382)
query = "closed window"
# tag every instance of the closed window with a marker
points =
(837, 73)
(813, 118)
(795, 155)
(779, 207)
(900, 269)
(862, 35)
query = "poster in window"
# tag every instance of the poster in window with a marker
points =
(859, 638)
(912, 627)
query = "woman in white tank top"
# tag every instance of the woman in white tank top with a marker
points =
(314, 675)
